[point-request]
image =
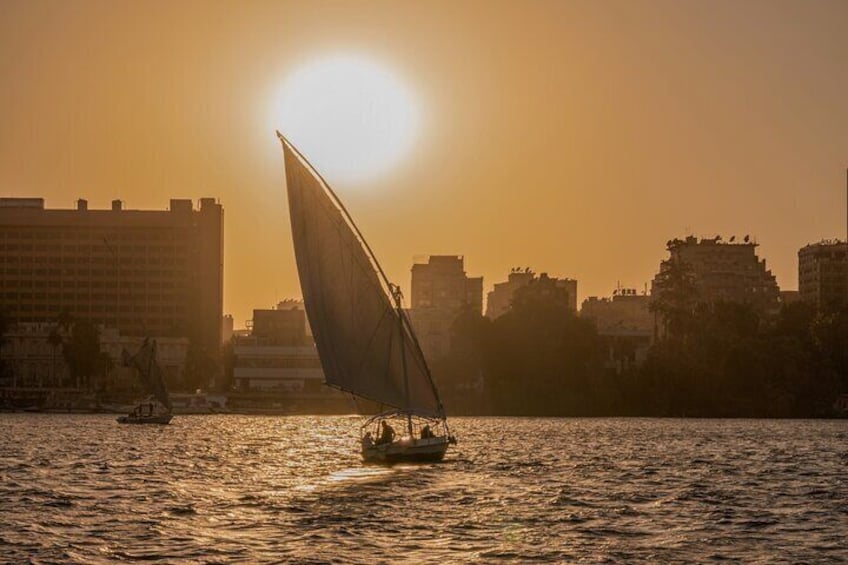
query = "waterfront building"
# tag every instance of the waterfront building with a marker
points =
(35, 372)
(441, 290)
(142, 272)
(823, 274)
(277, 367)
(501, 298)
(625, 325)
(32, 357)
(722, 271)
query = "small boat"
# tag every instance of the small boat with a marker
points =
(363, 335)
(150, 419)
(153, 379)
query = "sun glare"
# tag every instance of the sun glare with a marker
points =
(353, 119)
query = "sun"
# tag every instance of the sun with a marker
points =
(353, 118)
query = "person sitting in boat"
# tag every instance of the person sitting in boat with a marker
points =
(387, 435)
(367, 441)
(426, 432)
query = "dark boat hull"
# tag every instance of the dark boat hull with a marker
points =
(159, 419)
(405, 451)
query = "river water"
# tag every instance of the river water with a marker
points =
(251, 489)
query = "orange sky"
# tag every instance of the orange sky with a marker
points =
(572, 137)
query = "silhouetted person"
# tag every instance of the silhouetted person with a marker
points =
(426, 432)
(367, 441)
(387, 435)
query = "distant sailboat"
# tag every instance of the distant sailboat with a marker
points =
(365, 341)
(153, 379)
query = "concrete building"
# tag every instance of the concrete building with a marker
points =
(31, 359)
(625, 324)
(625, 309)
(36, 373)
(277, 367)
(500, 299)
(142, 272)
(729, 272)
(441, 290)
(823, 274)
(441, 282)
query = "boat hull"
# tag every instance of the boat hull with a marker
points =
(159, 419)
(405, 451)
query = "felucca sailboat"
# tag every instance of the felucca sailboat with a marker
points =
(153, 380)
(364, 338)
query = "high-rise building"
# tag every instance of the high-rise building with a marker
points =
(441, 290)
(721, 271)
(823, 273)
(141, 272)
(441, 282)
(500, 299)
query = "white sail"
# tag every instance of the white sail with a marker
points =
(366, 345)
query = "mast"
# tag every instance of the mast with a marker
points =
(398, 296)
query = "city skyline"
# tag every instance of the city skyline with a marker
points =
(419, 260)
(575, 139)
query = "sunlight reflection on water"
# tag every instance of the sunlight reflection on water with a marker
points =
(77, 488)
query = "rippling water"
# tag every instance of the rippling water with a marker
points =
(292, 489)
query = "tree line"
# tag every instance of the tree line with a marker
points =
(708, 359)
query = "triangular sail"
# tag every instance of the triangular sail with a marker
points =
(150, 372)
(366, 345)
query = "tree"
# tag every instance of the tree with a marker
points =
(675, 299)
(459, 374)
(86, 362)
(55, 340)
(200, 368)
(544, 360)
(4, 328)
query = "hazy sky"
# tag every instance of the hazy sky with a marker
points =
(572, 137)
